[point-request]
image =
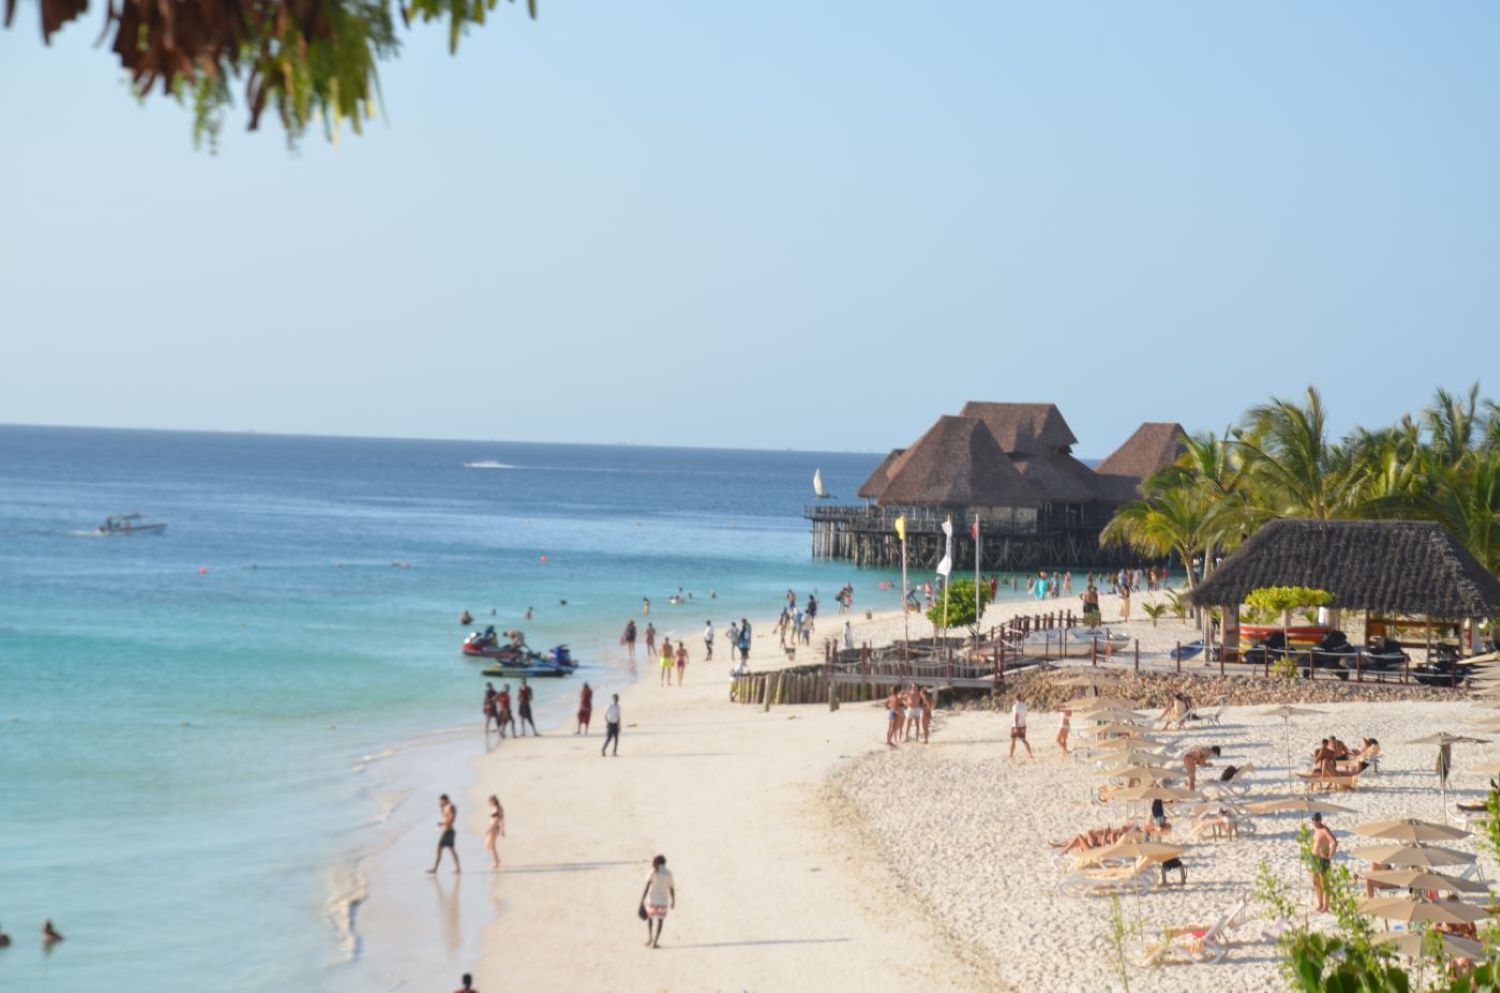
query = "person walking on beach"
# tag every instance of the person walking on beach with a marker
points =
(585, 709)
(666, 662)
(491, 712)
(1324, 847)
(502, 704)
(650, 639)
(682, 660)
(1018, 728)
(924, 699)
(494, 831)
(447, 818)
(628, 639)
(744, 640)
(524, 698)
(708, 641)
(848, 635)
(1063, 728)
(612, 726)
(659, 895)
(1125, 601)
(733, 634)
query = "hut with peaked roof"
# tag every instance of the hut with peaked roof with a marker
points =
(1154, 444)
(1391, 568)
(1011, 466)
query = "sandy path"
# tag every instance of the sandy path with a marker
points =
(770, 897)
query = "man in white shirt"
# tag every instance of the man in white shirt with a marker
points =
(1018, 728)
(612, 726)
(708, 641)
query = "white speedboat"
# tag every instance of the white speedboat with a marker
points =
(128, 524)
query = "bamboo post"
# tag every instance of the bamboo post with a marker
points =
(1137, 656)
(1179, 658)
(1094, 652)
(1359, 667)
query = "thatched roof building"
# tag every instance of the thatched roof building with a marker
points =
(1154, 444)
(1024, 428)
(1391, 567)
(957, 463)
(875, 485)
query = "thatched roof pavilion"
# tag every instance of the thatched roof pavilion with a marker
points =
(957, 463)
(1154, 444)
(1023, 428)
(873, 486)
(1389, 567)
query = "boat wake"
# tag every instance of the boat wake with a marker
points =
(488, 464)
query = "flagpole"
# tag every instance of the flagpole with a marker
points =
(978, 600)
(947, 573)
(905, 603)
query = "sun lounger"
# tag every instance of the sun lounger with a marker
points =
(1206, 716)
(1313, 781)
(1131, 878)
(1236, 785)
(1191, 944)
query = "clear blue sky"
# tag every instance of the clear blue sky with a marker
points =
(773, 225)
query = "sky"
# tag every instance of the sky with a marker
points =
(744, 224)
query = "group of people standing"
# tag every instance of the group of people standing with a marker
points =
(497, 710)
(910, 709)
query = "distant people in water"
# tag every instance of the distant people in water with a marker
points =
(650, 638)
(468, 985)
(491, 707)
(528, 612)
(465, 618)
(50, 934)
(4, 939)
(628, 639)
(447, 818)
(646, 605)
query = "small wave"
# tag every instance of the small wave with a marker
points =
(350, 891)
(488, 464)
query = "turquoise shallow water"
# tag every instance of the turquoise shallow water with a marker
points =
(185, 719)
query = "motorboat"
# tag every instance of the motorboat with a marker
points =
(556, 662)
(117, 524)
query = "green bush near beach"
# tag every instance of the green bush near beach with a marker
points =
(964, 606)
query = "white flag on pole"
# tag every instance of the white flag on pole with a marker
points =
(945, 567)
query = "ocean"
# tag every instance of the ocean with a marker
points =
(203, 731)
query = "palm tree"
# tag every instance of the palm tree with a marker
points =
(1174, 518)
(1290, 465)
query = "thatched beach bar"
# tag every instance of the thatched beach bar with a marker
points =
(1011, 466)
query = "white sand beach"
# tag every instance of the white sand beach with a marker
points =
(808, 856)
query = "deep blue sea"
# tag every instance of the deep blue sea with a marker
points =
(190, 722)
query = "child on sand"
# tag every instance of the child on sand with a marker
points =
(1064, 726)
(1018, 728)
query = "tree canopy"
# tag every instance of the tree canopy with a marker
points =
(1441, 465)
(308, 60)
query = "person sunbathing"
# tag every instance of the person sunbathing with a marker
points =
(1085, 841)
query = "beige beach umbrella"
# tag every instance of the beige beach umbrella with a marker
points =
(1132, 741)
(1488, 769)
(1155, 773)
(1299, 804)
(1166, 794)
(1117, 730)
(1150, 850)
(1413, 945)
(1409, 830)
(1112, 714)
(1409, 911)
(1412, 856)
(1421, 879)
(1286, 712)
(1137, 756)
(1092, 703)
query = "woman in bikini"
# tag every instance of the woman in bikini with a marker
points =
(1197, 758)
(1062, 730)
(681, 660)
(494, 831)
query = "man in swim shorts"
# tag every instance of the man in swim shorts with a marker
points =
(1018, 728)
(447, 817)
(1324, 847)
(524, 695)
